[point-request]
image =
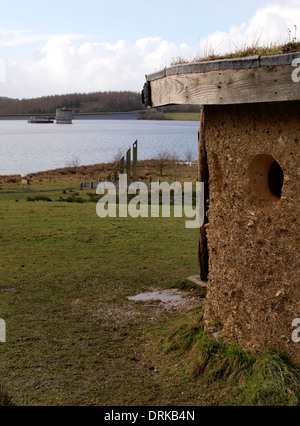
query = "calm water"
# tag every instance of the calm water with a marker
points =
(28, 148)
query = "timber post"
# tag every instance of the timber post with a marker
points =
(203, 176)
(128, 164)
(122, 165)
(135, 161)
(115, 172)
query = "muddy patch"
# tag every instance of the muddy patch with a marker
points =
(168, 299)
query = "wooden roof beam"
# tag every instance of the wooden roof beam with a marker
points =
(234, 81)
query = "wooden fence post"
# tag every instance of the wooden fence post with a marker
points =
(115, 172)
(128, 164)
(135, 161)
(122, 165)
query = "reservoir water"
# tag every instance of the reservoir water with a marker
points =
(29, 148)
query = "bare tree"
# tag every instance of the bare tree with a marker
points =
(119, 154)
(163, 158)
(174, 162)
(189, 157)
(73, 164)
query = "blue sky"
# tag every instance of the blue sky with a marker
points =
(174, 20)
(92, 45)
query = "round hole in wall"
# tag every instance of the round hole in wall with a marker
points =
(266, 177)
(276, 179)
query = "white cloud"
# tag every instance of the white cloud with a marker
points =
(269, 25)
(63, 67)
(70, 63)
(12, 38)
(15, 38)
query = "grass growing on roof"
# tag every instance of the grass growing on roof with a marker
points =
(247, 51)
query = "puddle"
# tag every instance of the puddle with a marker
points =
(169, 297)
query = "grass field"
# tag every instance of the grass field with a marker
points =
(183, 116)
(74, 338)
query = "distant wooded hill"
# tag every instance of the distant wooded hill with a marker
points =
(97, 102)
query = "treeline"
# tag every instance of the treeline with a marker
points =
(97, 102)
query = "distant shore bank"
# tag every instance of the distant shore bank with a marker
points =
(152, 114)
(146, 169)
(96, 116)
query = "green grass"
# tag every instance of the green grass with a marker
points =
(227, 374)
(39, 198)
(73, 337)
(5, 399)
(52, 185)
(183, 116)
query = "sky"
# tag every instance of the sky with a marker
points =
(70, 46)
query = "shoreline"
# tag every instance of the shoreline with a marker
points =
(148, 115)
(94, 172)
(132, 115)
